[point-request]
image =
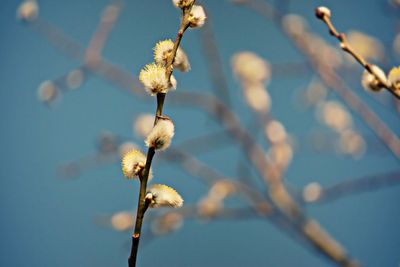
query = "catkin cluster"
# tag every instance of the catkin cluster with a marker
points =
(157, 78)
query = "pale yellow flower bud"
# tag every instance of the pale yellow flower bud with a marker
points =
(154, 79)
(161, 196)
(163, 50)
(133, 164)
(394, 78)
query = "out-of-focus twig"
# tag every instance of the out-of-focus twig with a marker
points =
(357, 186)
(278, 192)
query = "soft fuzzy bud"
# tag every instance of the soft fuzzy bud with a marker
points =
(322, 11)
(275, 132)
(209, 206)
(352, 143)
(28, 11)
(167, 223)
(280, 154)
(370, 82)
(125, 147)
(222, 189)
(143, 124)
(161, 134)
(250, 68)
(334, 115)
(47, 92)
(294, 24)
(153, 77)
(197, 16)
(394, 78)
(75, 79)
(312, 192)
(133, 163)
(122, 221)
(182, 3)
(257, 98)
(163, 50)
(366, 46)
(160, 195)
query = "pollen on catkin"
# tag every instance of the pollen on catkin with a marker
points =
(394, 78)
(197, 16)
(182, 3)
(162, 52)
(153, 77)
(163, 196)
(133, 163)
(161, 134)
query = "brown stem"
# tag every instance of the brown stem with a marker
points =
(142, 203)
(142, 207)
(347, 48)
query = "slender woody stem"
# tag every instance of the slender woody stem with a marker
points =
(347, 48)
(142, 202)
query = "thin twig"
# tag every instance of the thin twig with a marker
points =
(347, 48)
(142, 203)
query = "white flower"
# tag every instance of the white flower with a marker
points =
(197, 16)
(182, 3)
(394, 78)
(161, 134)
(153, 77)
(163, 50)
(133, 163)
(28, 11)
(161, 195)
(249, 67)
(369, 81)
(322, 11)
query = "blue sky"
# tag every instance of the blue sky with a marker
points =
(48, 221)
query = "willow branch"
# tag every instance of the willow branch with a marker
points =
(347, 48)
(142, 203)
